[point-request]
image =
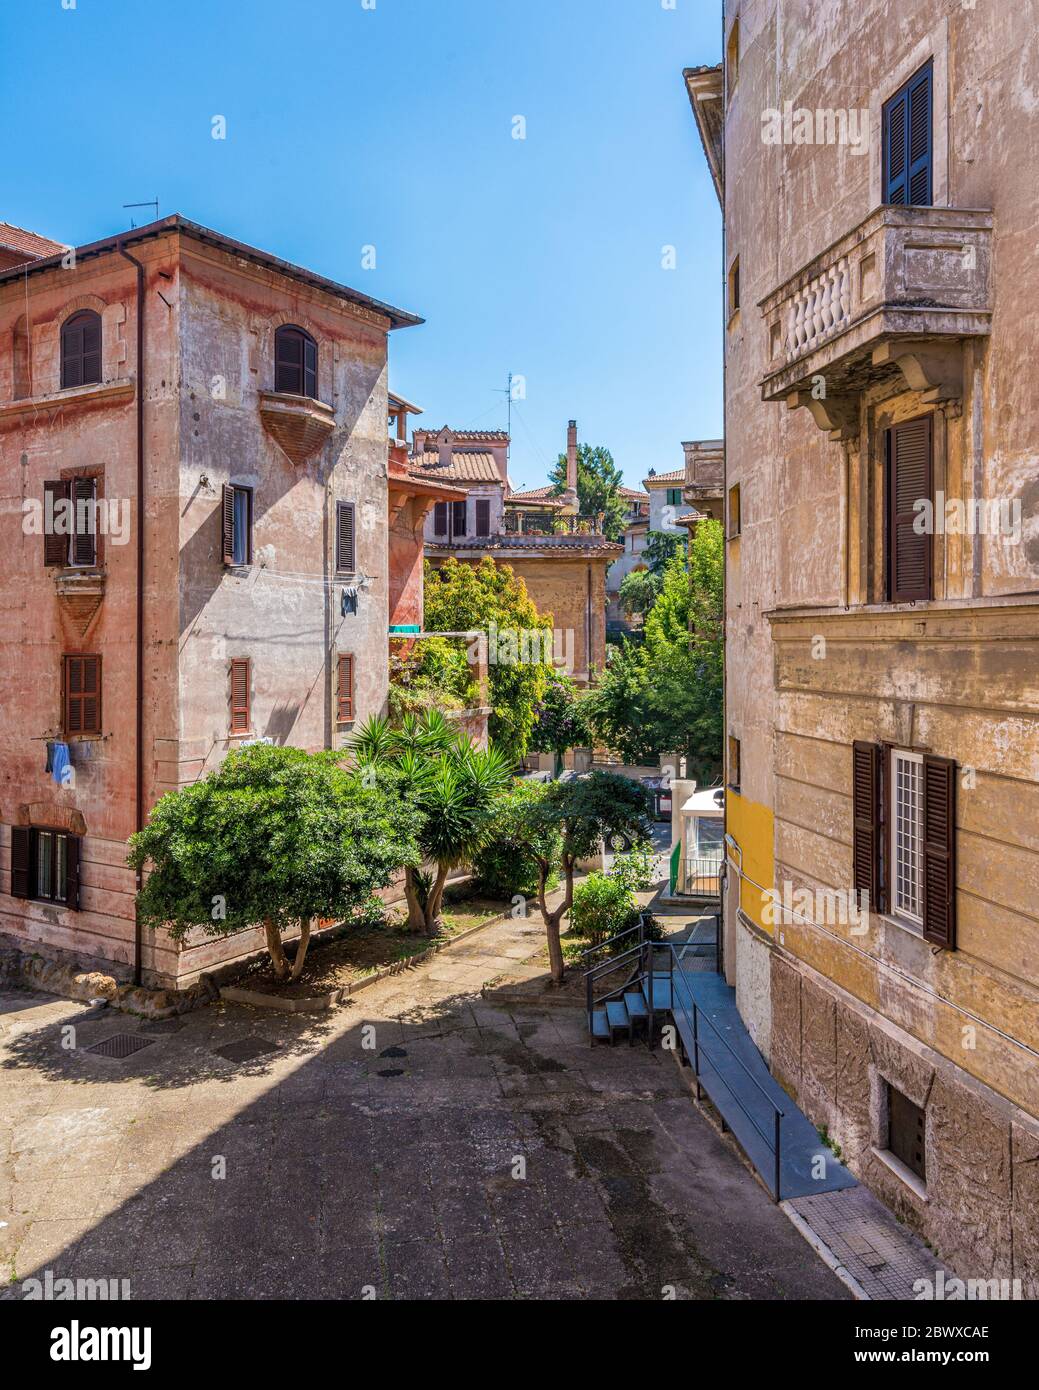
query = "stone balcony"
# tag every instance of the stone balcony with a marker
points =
(895, 297)
(299, 424)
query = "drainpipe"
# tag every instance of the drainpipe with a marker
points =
(139, 738)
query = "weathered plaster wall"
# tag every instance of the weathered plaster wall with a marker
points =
(955, 676)
(94, 432)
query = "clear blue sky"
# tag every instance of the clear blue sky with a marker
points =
(393, 127)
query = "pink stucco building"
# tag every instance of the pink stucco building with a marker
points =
(213, 420)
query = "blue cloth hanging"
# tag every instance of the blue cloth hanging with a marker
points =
(60, 763)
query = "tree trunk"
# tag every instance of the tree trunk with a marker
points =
(434, 919)
(277, 951)
(301, 948)
(553, 919)
(416, 912)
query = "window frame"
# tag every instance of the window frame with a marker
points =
(67, 696)
(344, 508)
(903, 1154)
(72, 859)
(292, 332)
(455, 530)
(236, 729)
(921, 80)
(346, 705)
(733, 288)
(229, 515)
(734, 764)
(63, 552)
(733, 513)
(895, 906)
(892, 524)
(78, 320)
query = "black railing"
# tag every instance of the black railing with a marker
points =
(550, 523)
(697, 1018)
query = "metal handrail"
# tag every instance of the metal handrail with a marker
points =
(640, 927)
(775, 1144)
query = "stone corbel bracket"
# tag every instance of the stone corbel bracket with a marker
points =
(838, 415)
(931, 367)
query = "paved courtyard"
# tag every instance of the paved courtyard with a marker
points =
(419, 1142)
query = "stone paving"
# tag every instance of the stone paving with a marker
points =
(419, 1142)
(882, 1257)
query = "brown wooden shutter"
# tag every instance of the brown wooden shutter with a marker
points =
(346, 560)
(55, 546)
(909, 481)
(458, 522)
(84, 541)
(72, 857)
(240, 681)
(310, 368)
(483, 516)
(21, 860)
(939, 876)
(345, 690)
(227, 525)
(867, 821)
(440, 519)
(82, 694)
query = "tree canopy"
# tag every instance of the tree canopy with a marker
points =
(598, 486)
(276, 837)
(665, 695)
(490, 598)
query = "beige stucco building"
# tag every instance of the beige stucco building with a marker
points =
(878, 178)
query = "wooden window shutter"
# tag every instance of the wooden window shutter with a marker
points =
(909, 481)
(919, 153)
(458, 521)
(908, 142)
(21, 860)
(483, 516)
(81, 349)
(240, 681)
(82, 694)
(345, 690)
(440, 519)
(72, 857)
(310, 367)
(939, 876)
(227, 524)
(295, 362)
(346, 558)
(867, 821)
(84, 540)
(55, 547)
(896, 122)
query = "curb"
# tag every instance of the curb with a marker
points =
(825, 1253)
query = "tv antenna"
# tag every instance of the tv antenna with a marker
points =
(508, 394)
(154, 203)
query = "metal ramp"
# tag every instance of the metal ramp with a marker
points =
(642, 987)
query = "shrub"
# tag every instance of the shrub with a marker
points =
(507, 866)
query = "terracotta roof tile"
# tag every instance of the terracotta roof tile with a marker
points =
(18, 245)
(467, 465)
(677, 475)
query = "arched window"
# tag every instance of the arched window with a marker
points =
(295, 362)
(81, 349)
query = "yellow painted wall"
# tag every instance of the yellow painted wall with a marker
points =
(751, 825)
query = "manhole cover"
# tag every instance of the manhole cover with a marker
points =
(391, 1071)
(245, 1050)
(394, 1052)
(120, 1045)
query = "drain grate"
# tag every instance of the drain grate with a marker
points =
(393, 1052)
(120, 1045)
(245, 1050)
(391, 1071)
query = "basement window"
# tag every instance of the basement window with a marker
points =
(906, 1128)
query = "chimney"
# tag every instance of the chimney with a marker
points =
(571, 457)
(445, 446)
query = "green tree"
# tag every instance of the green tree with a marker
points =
(455, 788)
(505, 865)
(490, 598)
(276, 837)
(598, 487)
(666, 695)
(561, 724)
(662, 547)
(639, 592)
(584, 812)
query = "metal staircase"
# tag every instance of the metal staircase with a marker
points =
(635, 990)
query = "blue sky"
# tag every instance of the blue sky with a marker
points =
(393, 127)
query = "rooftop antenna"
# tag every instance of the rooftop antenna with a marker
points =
(508, 394)
(153, 204)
